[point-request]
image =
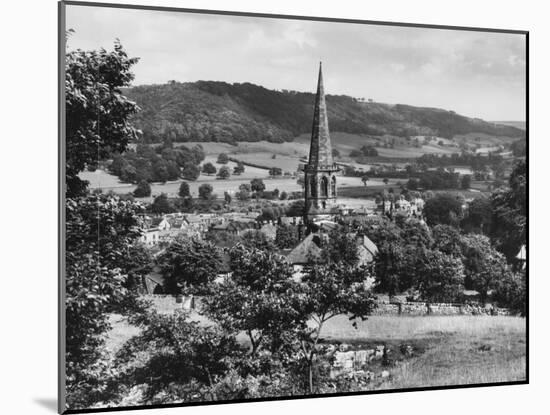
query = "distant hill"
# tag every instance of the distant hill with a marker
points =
(222, 112)
(518, 124)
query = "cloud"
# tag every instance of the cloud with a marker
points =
(474, 73)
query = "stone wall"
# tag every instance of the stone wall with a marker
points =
(437, 309)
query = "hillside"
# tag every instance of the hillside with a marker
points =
(222, 112)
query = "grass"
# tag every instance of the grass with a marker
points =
(447, 350)
(455, 350)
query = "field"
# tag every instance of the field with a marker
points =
(107, 182)
(448, 350)
(345, 143)
(453, 350)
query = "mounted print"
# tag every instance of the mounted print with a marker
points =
(260, 207)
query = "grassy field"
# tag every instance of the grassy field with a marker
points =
(447, 350)
(104, 180)
(451, 350)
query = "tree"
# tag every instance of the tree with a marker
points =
(283, 195)
(416, 233)
(205, 191)
(258, 299)
(386, 181)
(509, 225)
(244, 192)
(439, 277)
(184, 357)
(412, 184)
(466, 181)
(257, 185)
(479, 215)
(365, 179)
(511, 292)
(208, 168)
(286, 236)
(184, 190)
(335, 153)
(227, 197)
(296, 208)
(223, 158)
(484, 265)
(253, 238)
(97, 112)
(143, 189)
(448, 240)
(443, 209)
(189, 266)
(190, 171)
(224, 173)
(329, 290)
(239, 168)
(161, 204)
(275, 171)
(101, 230)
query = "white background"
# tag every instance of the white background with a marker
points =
(28, 230)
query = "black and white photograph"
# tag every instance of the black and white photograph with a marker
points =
(259, 207)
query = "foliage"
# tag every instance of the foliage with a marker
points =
(511, 292)
(439, 277)
(189, 266)
(209, 168)
(239, 168)
(143, 189)
(97, 112)
(102, 276)
(244, 192)
(253, 238)
(224, 112)
(296, 208)
(509, 226)
(205, 191)
(161, 204)
(443, 209)
(331, 289)
(222, 158)
(479, 216)
(447, 239)
(184, 190)
(224, 173)
(466, 181)
(190, 171)
(257, 185)
(182, 354)
(258, 299)
(286, 236)
(484, 265)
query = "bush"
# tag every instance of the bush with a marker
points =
(184, 190)
(143, 189)
(205, 191)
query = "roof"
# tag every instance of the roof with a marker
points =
(156, 221)
(522, 254)
(305, 251)
(364, 240)
(320, 152)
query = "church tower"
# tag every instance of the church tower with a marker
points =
(320, 171)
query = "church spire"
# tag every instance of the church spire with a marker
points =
(320, 152)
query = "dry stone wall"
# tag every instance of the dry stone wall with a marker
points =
(437, 309)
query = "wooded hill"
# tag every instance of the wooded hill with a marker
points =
(218, 111)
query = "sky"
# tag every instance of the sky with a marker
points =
(477, 74)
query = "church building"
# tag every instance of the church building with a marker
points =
(320, 171)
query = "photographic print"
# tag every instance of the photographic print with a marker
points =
(262, 207)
